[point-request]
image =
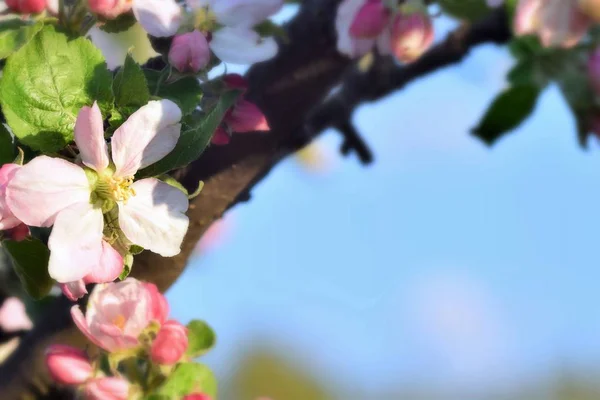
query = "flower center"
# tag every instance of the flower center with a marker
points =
(205, 20)
(115, 188)
(119, 321)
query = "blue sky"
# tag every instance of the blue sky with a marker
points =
(445, 262)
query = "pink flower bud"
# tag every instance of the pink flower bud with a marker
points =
(235, 81)
(7, 218)
(159, 307)
(197, 396)
(189, 52)
(220, 137)
(68, 365)
(591, 8)
(110, 9)
(73, 290)
(111, 388)
(170, 344)
(412, 35)
(27, 6)
(370, 21)
(18, 233)
(245, 116)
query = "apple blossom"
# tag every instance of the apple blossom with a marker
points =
(351, 44)
(229, 23)
(68, 365)
(109, 9)
(109, 388)
(27, 6)
(170, 344)
(371, 19)
(13, 316)
(159, 307)
(116, 315)
(412, 35)
(189, 52)
(90, 206)
(18, 233)
(557, 22)
(7, 218)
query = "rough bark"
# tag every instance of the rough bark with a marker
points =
(290, 90)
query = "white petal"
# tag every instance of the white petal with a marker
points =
(44, 187)
(245, 13)
(89, 137)
(160, 18)
(242, 46)
(155, 217)
(75, 242)
(147, 136)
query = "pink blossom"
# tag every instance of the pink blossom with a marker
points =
(412, 35)
(197, 396)
(51, 191)
(27, 6)
(348, 41)
(557, 22)
(370, 21)
(159, 307)
(18, 233)
(110, 388)
(232, 37)
(116, 314)
(189, 52)
(68, 365)
(220, 137)
(73, 290)
(13, 316)
(109, 9)
(170, 344)
(7, 218)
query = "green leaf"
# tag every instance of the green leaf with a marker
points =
(201, 338)
(46, 83)
(507, 112)
(186, 92)
(7, 147)
(130, 87)
(14, 33)
(120, 24)
(30, 260)
(190, 378)
(196, 133)
(470, 10)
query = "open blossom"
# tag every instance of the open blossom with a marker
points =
(109, 388)
(557, 22)
(68, 365)
(54, 192)
(117, 313)
(362, 25)
(7, 218)
(109, 9)
(243, 117)
(230, 24)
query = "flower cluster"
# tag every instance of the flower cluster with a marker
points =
(405, 31)
(129, 321)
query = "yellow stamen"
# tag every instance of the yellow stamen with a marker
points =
(119, 321)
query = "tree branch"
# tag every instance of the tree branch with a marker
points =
(287, 89)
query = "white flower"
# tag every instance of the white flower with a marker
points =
(51, 191)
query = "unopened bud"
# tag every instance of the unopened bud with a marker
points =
(110, 9)
(112, 388)
(68, 365)
(189, 52)
(245, 116)
(27, 6)
(370, 21)
(412, 35)
(170, 344)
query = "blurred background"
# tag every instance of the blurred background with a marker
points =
(444, 271)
